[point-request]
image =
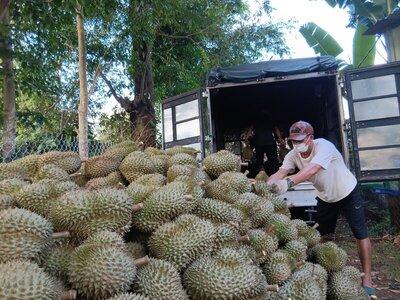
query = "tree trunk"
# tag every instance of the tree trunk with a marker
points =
(392, 39)
(143, 117)
(9, 125)
(83, 94)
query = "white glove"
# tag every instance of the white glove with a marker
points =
(280, 186)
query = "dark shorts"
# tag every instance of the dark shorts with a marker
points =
(352, 207)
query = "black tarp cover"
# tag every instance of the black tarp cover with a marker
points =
(272, 68)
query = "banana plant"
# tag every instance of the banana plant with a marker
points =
(364, 14)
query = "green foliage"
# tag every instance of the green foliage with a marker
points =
(321, 41)
(115, 127)
(363, 47)
(186, 38)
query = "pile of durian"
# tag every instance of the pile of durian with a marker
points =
(137, 223)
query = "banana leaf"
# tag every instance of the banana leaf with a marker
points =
(364, 48)
(321, 41)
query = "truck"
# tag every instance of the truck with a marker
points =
(311, 89)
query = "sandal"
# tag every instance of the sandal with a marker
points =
(370, 291)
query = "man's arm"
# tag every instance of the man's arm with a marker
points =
(306, 173)
(280, 185)
(282, 173)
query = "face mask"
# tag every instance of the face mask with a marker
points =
(301, 148)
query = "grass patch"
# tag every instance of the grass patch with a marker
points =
(386, 255)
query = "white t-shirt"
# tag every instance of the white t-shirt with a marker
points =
(334, 181)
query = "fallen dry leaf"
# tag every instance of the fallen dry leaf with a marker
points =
(395, 291)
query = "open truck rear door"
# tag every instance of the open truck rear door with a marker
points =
(186, 121)
(374, 106)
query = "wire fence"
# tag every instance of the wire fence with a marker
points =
(50, 142)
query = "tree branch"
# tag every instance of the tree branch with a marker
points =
(123, 101)
(94, 81)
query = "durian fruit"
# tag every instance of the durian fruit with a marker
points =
(6, 201)
(301, 288)
(280, 206)
(21, 279)
(152, 179)
(135, 165)
(142, 187)
(24, 234)
(68, 161)
(220, 162)
(262, 189)
(152, 151)
(301, 226)
(10, 170)
(83, 213)
(159, 279)
(278, 267)
(281, 226)
(162, 206)
(261, 176)
(56, 261)
(101, 166)
(182, 241)
(227, 235)
(329, 255)
(136, 249)
(112, 180)
(217, 211)
(12, 186)
(261, 213)
(182, 149)
(40, 196)
(263, 243)
(53, 172)
(317, 272)
(237, 181)
(102, 267)
(182, 159)
(312, 236)
(161, 163)
(129, 296)
(221, 190)
(296, 249)
(29, 162)
(346, 285)
(187, 173)
(139, 192)
(247, 252)
(121, 150)
(245, 226)
(225, 275)
(247, 202)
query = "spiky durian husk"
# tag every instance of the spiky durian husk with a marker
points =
(182, 241)
(24, 234)
(21, 279)
(226, 275)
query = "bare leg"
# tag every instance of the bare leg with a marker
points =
(365, 253)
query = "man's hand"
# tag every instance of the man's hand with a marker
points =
(280, 186)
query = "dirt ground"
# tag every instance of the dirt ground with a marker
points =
(385, 260)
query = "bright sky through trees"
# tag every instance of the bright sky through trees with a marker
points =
(333, 20)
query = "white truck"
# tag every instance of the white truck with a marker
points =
(309, 89)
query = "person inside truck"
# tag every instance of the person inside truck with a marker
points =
(337, 190)
(264, 142)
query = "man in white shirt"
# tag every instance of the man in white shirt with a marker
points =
(337, 191)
